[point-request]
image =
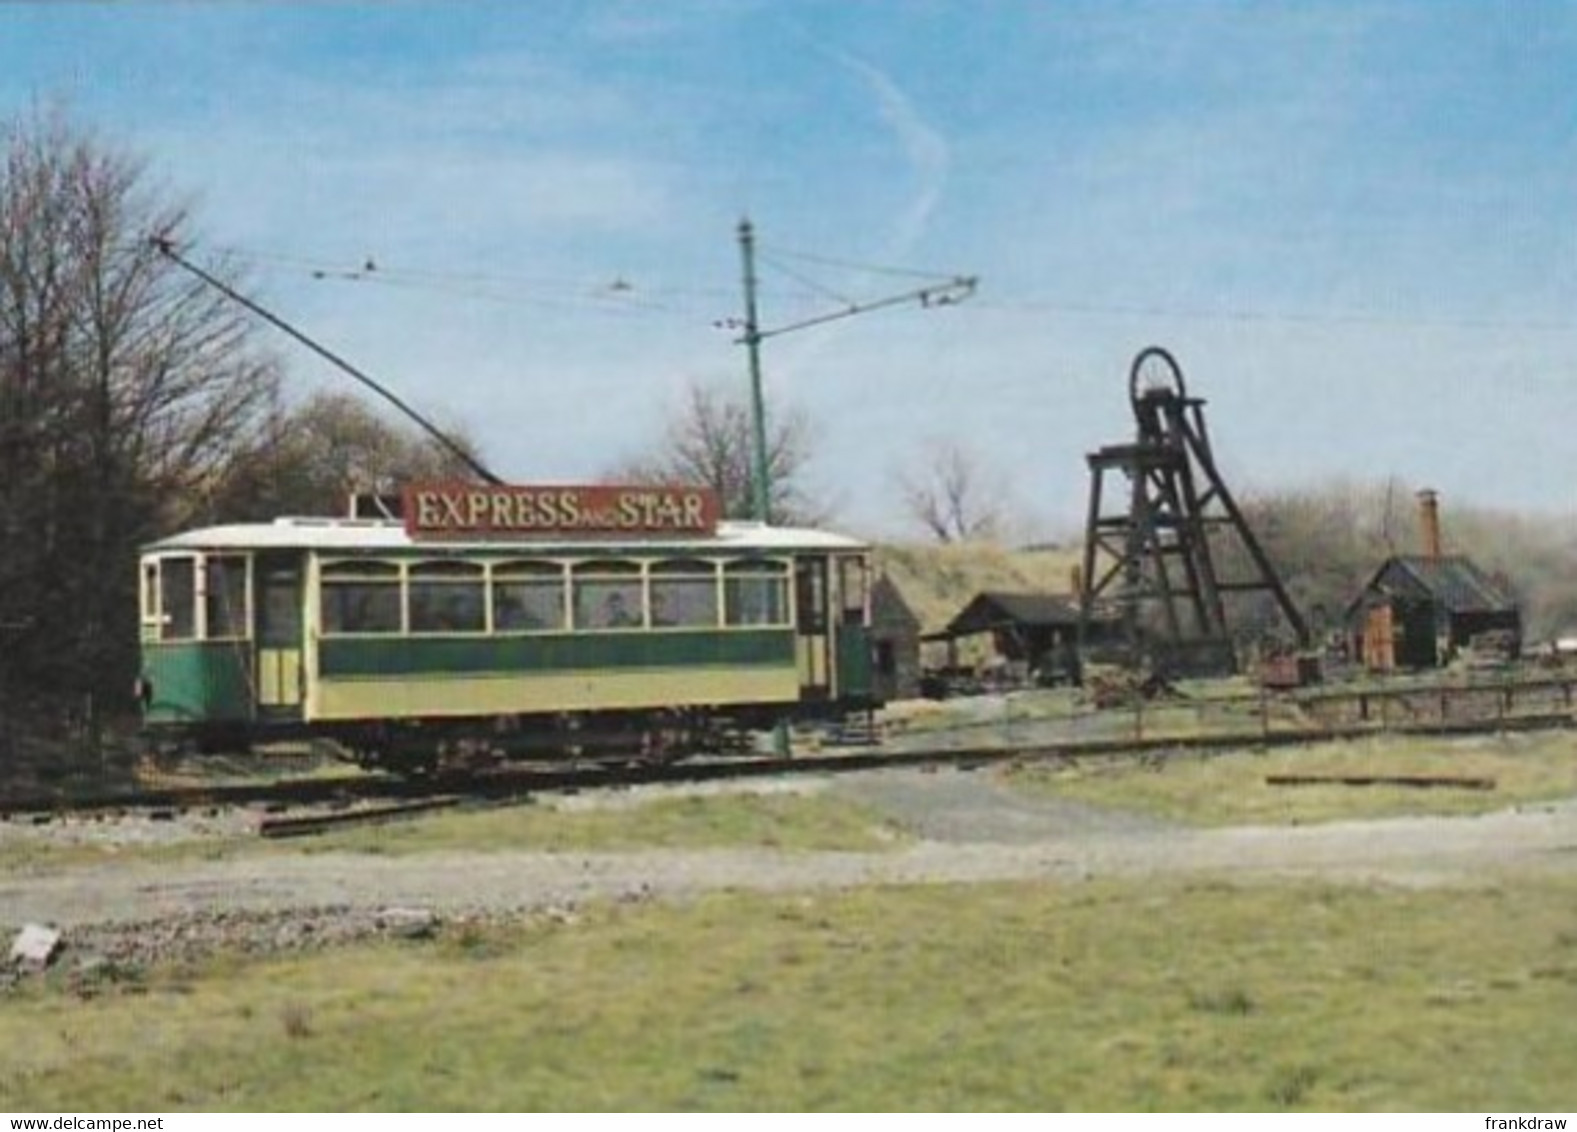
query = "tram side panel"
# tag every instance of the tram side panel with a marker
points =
(196, 670)
(468, 676)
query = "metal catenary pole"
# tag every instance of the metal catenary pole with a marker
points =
(941, 293)
(760, 489)
(938, 294)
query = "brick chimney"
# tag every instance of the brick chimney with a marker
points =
(1429, 522)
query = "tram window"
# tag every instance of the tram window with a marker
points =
(852, 581)
(447, 597)
(224, 596)
(177, 599)
(528, 596)
(279, 605)
(361, 597)
(150, 593)
(683, 594)
(810, 595)
(755, 592)
(607, 595)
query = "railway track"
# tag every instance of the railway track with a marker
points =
(371, 799)
(276, 828)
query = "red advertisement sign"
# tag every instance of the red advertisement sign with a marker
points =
(513, 510)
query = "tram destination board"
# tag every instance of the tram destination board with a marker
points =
(456, 510)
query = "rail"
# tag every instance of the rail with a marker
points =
(1443, 711)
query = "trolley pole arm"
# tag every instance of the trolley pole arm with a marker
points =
(166, 248)
(937, 295)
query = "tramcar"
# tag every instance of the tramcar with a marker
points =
(513, 621)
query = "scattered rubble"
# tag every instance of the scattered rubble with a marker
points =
(112, 831)
(94, 957)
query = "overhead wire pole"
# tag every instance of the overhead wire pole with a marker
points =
(167, 248)
(954, 290)
(760, 493)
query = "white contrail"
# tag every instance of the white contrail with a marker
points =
(925, 151)
(925, 148)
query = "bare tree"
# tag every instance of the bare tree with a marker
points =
(123, 390)
(951, 494)
(709, 441)
(1328, 539)
(309, 460)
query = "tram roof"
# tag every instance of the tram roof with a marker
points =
(381, 535)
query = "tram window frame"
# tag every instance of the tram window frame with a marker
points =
(150, 593)
(743, 608)
(520, 585)
(812, 596)
(226, 593)
(607, 596)
(177, 599)
(682, 593)
(445, 596)
(376, 578)
(854, 588)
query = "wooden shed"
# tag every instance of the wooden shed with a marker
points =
(895, 642)
(1418, 611)
(1036, 631)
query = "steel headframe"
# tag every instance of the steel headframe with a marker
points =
(1159, 572)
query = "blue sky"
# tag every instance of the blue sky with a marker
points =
(1352, 223)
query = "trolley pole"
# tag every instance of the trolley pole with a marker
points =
(760, 489)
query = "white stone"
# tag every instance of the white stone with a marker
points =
(35, 945)
(409, 923)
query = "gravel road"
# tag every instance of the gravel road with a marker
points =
(969, 828)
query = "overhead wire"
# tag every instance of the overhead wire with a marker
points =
(619, 295)
(852, 265)
(1251, 315)
(613, 293)
(804, 280)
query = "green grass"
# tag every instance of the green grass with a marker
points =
(777, 821)
(1230, 789)
(25, 854)
(1132, 995)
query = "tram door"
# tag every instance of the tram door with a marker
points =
(813, 639)
(279, 625)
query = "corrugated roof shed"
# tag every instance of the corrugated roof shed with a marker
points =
(1452, 580)
(992, 610)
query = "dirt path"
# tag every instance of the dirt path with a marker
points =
(969, 807)
(973, 831)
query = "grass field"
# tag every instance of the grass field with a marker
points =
(1186, 995)
(1230, 789)
(777, 821)
(813, 821)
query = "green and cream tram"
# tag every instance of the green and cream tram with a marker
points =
(523, 619)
